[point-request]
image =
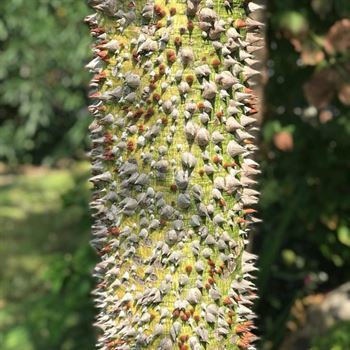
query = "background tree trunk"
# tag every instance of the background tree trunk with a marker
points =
(172, 167)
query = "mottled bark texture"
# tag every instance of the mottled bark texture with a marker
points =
(172, 169)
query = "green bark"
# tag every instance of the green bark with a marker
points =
(172, 167)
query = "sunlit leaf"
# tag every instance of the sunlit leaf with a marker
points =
(343, 233)
(293, 22)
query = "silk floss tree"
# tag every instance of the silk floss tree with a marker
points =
(173, 168)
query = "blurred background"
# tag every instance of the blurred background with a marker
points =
(303, 242)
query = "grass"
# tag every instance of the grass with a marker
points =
(46, 261)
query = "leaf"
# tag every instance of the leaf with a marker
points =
(283, 140)
(338, 37)
(271, 128)
(325, 116)
(344, 94)
(289, 256)
(294, 22)
(311, 55)
(3, 31)
(344, 235)
(322, 7)
(320, 88)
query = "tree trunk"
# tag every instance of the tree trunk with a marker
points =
(172, 170)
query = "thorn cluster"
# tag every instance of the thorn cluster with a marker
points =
(172, 169)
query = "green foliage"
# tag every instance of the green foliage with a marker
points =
(337, 338)
(46, 261)
(305, 204)
(43, 47)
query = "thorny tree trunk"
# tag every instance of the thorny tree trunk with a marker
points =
(172, 167)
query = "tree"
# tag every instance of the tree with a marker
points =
(172, 169)
(42, 86)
